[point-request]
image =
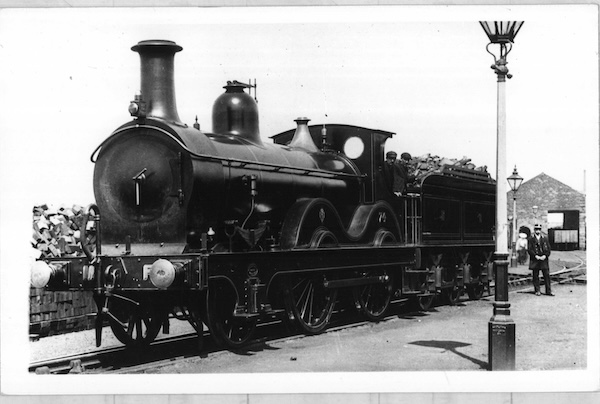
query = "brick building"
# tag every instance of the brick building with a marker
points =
(561, 211)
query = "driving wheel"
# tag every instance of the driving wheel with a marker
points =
(309, 304)
(372, 300)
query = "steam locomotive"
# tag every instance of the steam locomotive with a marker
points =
(225, 230)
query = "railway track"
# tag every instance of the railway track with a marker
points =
(576, 274)
(171, 349)
(167, 350)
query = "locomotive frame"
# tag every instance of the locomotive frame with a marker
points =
(242, 231)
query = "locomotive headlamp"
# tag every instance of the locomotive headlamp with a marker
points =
(133, 108)
(163, 272)
(137, 107)
(42, 273)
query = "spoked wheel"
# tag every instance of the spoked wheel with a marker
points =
(475, 291)
(453, 293)
(372, 300)
(226, 329)
(477, 286)
(133, 325)
(424, 302)
(309, 303)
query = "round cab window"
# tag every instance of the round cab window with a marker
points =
(354, 147)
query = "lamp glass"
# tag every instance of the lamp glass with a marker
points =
(515, 180)
(501, 31)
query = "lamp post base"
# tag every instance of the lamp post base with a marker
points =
(501, 328)
(501, 343)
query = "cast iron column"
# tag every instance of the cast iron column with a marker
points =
(513, 257)
(501, 328)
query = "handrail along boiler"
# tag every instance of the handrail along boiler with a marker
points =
(224, 230)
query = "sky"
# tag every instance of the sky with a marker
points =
(422, 75)
(67, 77)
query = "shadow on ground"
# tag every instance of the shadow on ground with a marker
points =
(451, 346)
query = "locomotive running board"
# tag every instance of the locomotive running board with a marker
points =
(240, 313)
(344, 283)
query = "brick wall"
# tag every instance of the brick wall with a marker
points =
(59, 312)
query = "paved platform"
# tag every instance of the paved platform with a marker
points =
(551, 335)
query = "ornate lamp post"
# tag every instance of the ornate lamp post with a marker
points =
(514, 181)
(501, 328)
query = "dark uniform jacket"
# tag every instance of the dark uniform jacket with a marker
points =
(396, 176)
(541, 247)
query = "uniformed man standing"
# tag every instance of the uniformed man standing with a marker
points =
(539, 253)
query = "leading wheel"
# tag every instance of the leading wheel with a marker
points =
(308, 303)
(372, 300)
(226, 329)
(133, 325)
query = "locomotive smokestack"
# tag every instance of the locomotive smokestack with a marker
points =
(157, 78)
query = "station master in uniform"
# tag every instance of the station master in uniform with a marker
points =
(539, 253)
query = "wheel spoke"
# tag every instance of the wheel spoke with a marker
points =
(368, 302)
(310, 306)
(131, 325)
(305, 299)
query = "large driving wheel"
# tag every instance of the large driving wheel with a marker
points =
(134, 325)
(373, 300)
(309, 304)
(226, 329)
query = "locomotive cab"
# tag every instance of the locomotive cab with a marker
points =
(363, 146)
